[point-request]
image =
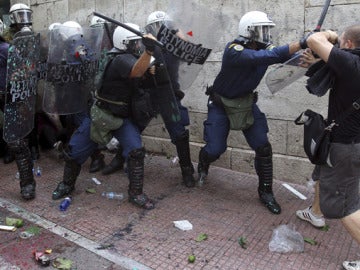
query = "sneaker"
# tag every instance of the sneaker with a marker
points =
(354, 265)
(309, 216)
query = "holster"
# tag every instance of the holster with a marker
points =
(238, 110)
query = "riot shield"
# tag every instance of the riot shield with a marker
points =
(21, 80)
(42, 67)
(199, 30)
(71, 67)
(285, 74)
(106, 46)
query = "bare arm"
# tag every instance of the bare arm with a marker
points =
(294, 47)
(142, 64)
(321, 43)
(307, 58)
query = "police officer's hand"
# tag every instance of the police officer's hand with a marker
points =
(303, 43)
(269, 46)
(149, 42)
(152, 70)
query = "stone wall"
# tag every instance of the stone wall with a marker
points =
(292, 18)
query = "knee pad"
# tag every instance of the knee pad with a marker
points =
(18, 146)
(264, 151)
(137, 153)
(183, 137)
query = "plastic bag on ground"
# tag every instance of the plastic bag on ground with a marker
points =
(286, 239)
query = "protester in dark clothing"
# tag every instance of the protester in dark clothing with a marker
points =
(339, 180)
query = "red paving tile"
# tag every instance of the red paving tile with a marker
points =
(225, 208)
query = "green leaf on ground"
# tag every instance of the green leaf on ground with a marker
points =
(33, 230)
(62, 263)
(242, 242)
(325, 228)
(16, 222)
(191, 258)
(201, 237)
(91, 190)
(310, 241)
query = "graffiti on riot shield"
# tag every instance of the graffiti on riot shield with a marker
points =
(72, 64)
(192, 33)
(21, 81)
(186, 51)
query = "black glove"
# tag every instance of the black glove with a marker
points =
(149, 44)
(303, 43)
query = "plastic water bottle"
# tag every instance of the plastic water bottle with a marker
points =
(113, 195)
(65, 204)
(38, 171)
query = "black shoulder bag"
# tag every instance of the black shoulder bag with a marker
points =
(317, 133)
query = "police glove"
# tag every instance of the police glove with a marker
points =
(269, 46)
(149, 44)
(303, 41)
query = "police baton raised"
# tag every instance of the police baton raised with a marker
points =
(158, 43)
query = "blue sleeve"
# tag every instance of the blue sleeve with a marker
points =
(254, 57)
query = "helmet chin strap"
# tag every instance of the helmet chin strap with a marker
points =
(247, 43)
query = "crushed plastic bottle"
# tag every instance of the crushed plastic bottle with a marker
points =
(311, 185)
(113, 195)
(65, 204)
(174, 161)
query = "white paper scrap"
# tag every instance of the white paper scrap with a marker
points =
(96, 181)
(7, 228)
(184, 225)
(293, 190)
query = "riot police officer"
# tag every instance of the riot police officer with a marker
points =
(126, 66)
(178, 133)
(232, 101)
(21, 22)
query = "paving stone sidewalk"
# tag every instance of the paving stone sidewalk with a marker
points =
(226, 209)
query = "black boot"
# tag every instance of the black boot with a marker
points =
(183, 151)
(116, 164)
(25, 167)
(136, 179)
(71, 172)
(203, 166)
(97, 162)
(264, 170)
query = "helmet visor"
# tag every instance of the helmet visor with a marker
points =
(262, 33)
(22, 16)
(135, 46)
(153, 28)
